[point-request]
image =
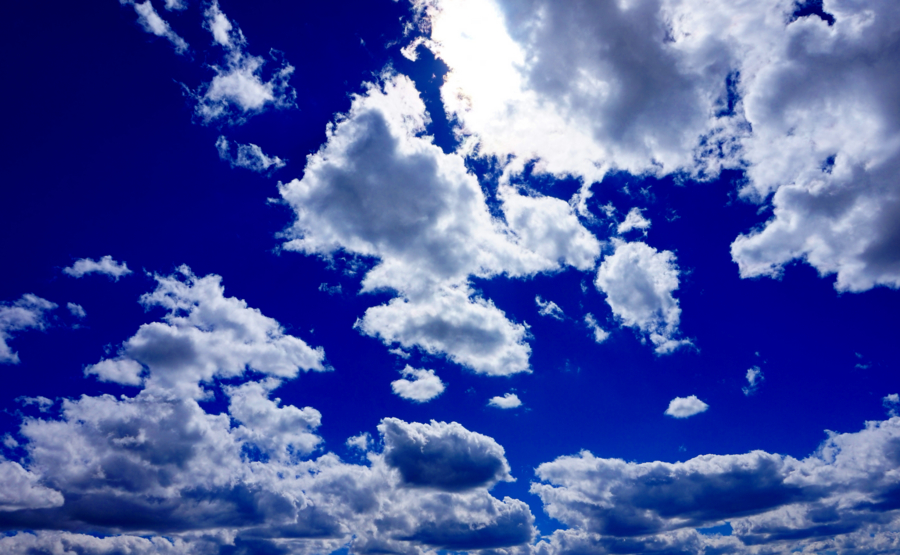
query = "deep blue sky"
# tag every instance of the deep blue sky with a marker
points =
(102, 155)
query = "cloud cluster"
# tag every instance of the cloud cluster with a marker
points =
(106, 266)
(29, 312)
(380, 189)
(656, 87)
(843, 495)
(157, 472)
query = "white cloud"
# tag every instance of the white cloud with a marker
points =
(508, 401)
(154, 24)
(76, 309)
(175, 5)
(106, 265)
(380, 188)
(424, 385)
(42, 403)
(205, 335)
(633, 220)
(891, 403)
(29, 312)
(363, 441)
(684, 407)
(600, 335)
(549, 308)
(21, 490)
(248, 156)
(754, 378)
(239, 88)
(638, 282)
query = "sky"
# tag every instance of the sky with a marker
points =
(508, 277)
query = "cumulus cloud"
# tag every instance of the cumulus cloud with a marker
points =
(106, 265)
(691, 87)
(508, 401)
(838, 495)
(42, 403)
(240, 89)
(599, 334)
(633, 220)
(549, 308)
(638, 282)
(204, 335)
(379, 188)
(754, 378)
(29, 312)
(76, 310)
(156, 25)
(891, 403)
(363, 441)
(22, 491)
(684, 407)
(423, 386)
(247, 156)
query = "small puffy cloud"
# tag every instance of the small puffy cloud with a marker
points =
(754, 378)
(76, 310)
(247, 156)
(549, 308)
(633, 220)
(891, 403)
(42, 403)
(29, 312)
(638, 282)
(154, 24)
(106, 265)
(508, 401)
(422, 385)
(684, 407)
(363, 441)
(204, 335)
(21, 490)
(599, 334)
(445, 457)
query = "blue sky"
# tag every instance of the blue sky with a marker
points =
(508, 277)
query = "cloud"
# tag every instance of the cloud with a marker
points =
(891, 403)
(508, 401)
(29, 312)
(239, 88)
(423, 387)
(42, 403)
(77, 310)
(363, 441)
(754, 378)
(638, 282)
(204, 335)
(600, 335)
(106, 265)
(442, 456)
(248, 156)
(21, 490)
(549, 308)
(154, 24)
(684, 407)
(380, 189)
(843, 492)
(633, 220)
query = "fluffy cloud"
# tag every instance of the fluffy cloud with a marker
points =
(204, 335)
(684, 407)
(21, 490)
(247, 156)
(549, 308)
(154, 24)
(29, 312)
(844, 493)
(508, 401)
(692, 86)
(381, 189)
(76, 310)
(106, 265)
(638, 282)
(599, 334)
(754, 378)
(424, 385)
(239, 89)
(633, 220)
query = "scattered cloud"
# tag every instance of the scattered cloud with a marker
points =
(638, 282)
(106, 265)
(891, 403)
(363, 441)
(29, 312)
(335, 289)
(633, 220)
(755, 377)
(423, 386)
(247, 156)
(508, 401)
(599, 334)
(42, 403)
(76, 310)
(549, 308)
(154, 24)
(684, 407)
